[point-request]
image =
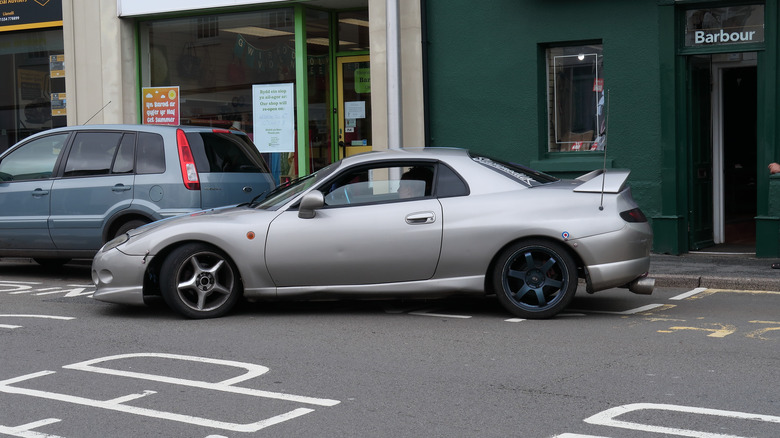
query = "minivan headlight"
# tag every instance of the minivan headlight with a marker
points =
(113, 243)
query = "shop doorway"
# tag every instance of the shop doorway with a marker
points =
(722, 117)
(354, 105)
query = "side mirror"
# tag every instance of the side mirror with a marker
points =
(311, 201)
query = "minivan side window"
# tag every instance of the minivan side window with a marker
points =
(92, 153)
(151, 153)
(123, 163)
(33, 160)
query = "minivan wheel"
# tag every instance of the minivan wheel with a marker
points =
(127, 226)
(535, 279)
(199, 281)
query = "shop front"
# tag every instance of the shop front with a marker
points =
(681, 92)
(720, 135)
(32, 71)
(296, 77)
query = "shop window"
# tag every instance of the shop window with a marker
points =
(353, 31)
(576, 96)
(215, 60)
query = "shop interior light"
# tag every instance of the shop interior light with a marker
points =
(354, 21)
(262, 32)
(581, 56)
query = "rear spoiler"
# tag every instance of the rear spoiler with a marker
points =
(612, 181)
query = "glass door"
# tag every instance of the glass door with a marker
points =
(354, 105)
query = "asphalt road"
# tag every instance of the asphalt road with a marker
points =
(696, 363)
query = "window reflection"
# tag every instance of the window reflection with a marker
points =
(576, 96)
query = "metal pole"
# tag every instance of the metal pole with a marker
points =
(394, 108)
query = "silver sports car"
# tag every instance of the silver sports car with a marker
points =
(396, 224)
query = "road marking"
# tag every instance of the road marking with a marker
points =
(759, 334)
(514, 320)
(12, 315)
(607, 418)
(577, 435)
(117, 403)
(690, 293)
(722, 332)
(26, 430)
(428, 312)
(626, 312)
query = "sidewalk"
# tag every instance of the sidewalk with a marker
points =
(715, 271)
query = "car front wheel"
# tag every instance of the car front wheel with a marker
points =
(535, 279)
(199, 281)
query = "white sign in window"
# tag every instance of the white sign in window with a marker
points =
(273, 117)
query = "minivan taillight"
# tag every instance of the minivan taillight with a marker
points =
(633, 215)
(189, 172)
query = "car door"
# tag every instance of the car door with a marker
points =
(25, 192)
(373, 237)
(92, 189)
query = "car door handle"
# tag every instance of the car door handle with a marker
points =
(425, 217)
(121, 188)
(37, 193)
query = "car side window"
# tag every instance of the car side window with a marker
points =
(381, 184)
(92, 153)
(223, 152)
(33, 160)
(151, 153)
(123, 163)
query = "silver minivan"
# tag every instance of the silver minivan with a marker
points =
(64, 192)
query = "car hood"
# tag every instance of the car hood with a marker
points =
(218, 227)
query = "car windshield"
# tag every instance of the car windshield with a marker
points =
(517, 172)
(284, 193)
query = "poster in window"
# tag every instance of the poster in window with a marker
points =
(160, 105)
(273, 115)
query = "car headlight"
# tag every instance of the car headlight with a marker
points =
(113, 243)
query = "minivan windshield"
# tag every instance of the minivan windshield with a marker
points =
(284, 193)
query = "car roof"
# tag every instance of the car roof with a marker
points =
(429, 153)
(160, 129)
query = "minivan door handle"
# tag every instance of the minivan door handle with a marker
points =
(425, 217)
(37, 193)
(121, 188)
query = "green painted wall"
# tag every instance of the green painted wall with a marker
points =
(486, 82)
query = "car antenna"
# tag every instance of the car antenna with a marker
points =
(98, 112)
(604, 167)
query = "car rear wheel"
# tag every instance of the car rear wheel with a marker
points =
(199, 281)
(535, 279)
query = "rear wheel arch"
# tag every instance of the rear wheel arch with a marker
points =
(120, 221)
(580, 264)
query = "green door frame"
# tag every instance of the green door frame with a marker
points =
(671, 227)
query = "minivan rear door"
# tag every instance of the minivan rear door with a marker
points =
(230, 168)
(96, 183)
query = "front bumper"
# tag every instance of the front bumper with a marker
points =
(119, 277)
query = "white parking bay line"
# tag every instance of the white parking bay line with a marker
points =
(26, 430)
(427, 312)
(11, 315)
(625, 312)
(577, 435)
(690, 293)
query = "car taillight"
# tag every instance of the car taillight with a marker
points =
(189, 172)
(220, 131)
(633, 215)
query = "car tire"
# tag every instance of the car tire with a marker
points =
(127, 226)
(535, 279)
(199, 281)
